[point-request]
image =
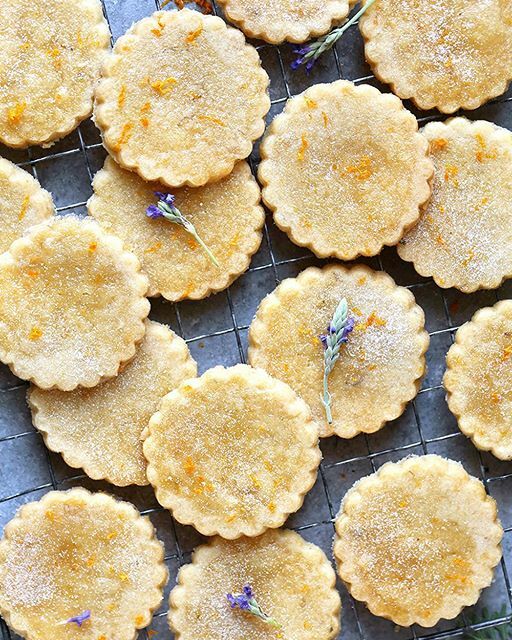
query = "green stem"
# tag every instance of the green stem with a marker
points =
(194, 233)
(327, 399)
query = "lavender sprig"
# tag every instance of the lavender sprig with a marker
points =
(79, 619)
(247, 602)
(337, 334)
(310, 53)
(166, 208)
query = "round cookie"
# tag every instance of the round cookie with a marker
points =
(99, 429)
(226, 214)
(182, 98)
(344, 170)
(447, 55)
(291, 579)
(418, 540)
(278, 20)
(464, 236)
(73, 304)
(52, 55)
(23, 203)
(80, 555)
(478, 379)
(233, 452)
(380, 367)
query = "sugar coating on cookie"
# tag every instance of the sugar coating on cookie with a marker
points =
(279, 20)
(418, 540)
(100, 429)
(464, 237)
(182, 98)
(478, 379)
(344, 170)
(232, 452)
(380, 367)
(73, 304)
(447, 55)
(23, 203)
(52, 55)
(291, 579)
(75, 552)
(226, 214)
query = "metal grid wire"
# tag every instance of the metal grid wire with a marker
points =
(216, 332)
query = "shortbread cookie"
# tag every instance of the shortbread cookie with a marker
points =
(344, 170)
(276, 21)
(100, 429)
(418, 540)
(478, 379)
(52, 52)
(464, 236)
(447, 55)
(23, 203)
(80, 565)
(182, 98)
(291, 580)
(226, 215)
(72, 305)
(233, 452)
(379, 368)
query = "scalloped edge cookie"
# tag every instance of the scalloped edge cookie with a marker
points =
(469, 332)
(438, 465)
(279, 125)
(208, 552)
(187, 512)
(99, 498)
(105, 95)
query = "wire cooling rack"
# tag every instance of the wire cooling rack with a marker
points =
(216, 332)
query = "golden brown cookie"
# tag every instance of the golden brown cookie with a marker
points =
(448, 55)
(418, 540)
(23, 203)
(182, 98)
(344, 170)
(278, 20)
(99, 429)
(73, 304)
(379, 368)
(52, 52)
(80, 565)
(233, 452)
(226, 215)
(464, 236)
(478, 379)
(291, 580)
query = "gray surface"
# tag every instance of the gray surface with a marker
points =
(216, 331)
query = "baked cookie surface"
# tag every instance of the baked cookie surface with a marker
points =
(80, 554)
(233, 452)
(478, 379)
(226, 214)
(23, 203)
(73, 304)
(278, 20)
(418, 540)
(464, 236)
(52, 55)
(292, 581)
(158, 114)
(380, 367)
(100, 429)
(344, 170)
(447, 55)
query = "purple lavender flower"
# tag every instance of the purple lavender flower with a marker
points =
(154, 212)
(302, 56)
(168, 198)
(246, 601)
(80, 618)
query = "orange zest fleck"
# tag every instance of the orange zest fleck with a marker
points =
(33, 273)
(325, 118)
(144, 122)
(146, 107)
(112, 535)
(362, 170)
(440, 239)
(139, 620)
(495, 397)
(507, 352)
(271, 507)
(374, 320)
(189, 466)
(361, 280)
(403, 503)
(154, 247)
(438, 144)
(304, 144)
(123, 577)
(193, 35)
(211, 119)
(35, 333)
(311, 104)
(102, 637)
(24, 208)
(471, 255)
(50, 515)
(255, 481)
(163, 87)
(126, 133)
(15, 113)
(451, 172)
(121, 99)
(92, 247)
(55, 55)
(91, 561)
